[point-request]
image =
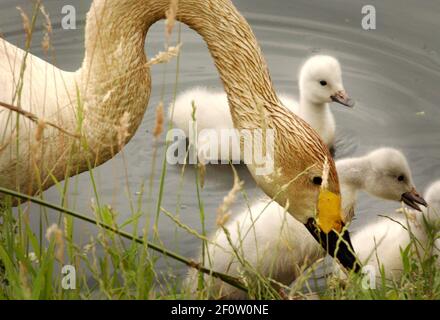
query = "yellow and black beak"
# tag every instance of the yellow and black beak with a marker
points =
(336, 244)
(328, 229)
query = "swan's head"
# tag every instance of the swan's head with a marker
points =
(390, 178)
(320, 81)
(310, 191)
(432, 195)
(328, 215)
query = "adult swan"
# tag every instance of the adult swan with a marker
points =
(114, 83)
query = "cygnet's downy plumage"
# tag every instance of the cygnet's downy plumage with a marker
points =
(280, 247)
(379, 244)
(320, 82)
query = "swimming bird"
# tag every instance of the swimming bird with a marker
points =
(380, 244)
(320, 82)
(277, 246)
(112, 88)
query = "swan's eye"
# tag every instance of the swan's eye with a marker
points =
(317, 181)
(401, 178)
(323, 83)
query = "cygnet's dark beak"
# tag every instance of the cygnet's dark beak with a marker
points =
(343, 98)
(413, 199)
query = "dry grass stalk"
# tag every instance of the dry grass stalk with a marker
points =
(202, 173)
(26, 23)
(48, 30)
(54, 232)
(223, 211)
(185, 227)
(171, 17)
(36, 155)
(165, 56)
(122, 129)
(325, 174)
(40, 130)
(158, 128)
(36, 119)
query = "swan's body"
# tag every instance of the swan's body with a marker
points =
(379, 244)
(280, 247)
(114, 81)
(212, 109)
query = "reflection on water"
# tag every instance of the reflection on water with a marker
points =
(393, 73)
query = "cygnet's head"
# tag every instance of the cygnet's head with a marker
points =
(432, 196)
(390, 177)
(320, 81)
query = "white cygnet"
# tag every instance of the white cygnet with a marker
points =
(320, 82)
(278, 246)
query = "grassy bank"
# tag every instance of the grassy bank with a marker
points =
(107, 267)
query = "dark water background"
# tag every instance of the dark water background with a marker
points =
(393, 73)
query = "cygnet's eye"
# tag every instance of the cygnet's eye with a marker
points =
(317, 181)
(323, 83)
(401, 178)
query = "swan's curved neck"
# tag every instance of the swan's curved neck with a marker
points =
(236, 54)
(114, 38)
(114, 81)
(114, 64)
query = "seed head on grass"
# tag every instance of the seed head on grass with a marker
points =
(47, 30)
(26, 23)
(158, 128)
(54, 232)
(89, 247)
(40, 130)
(325, 174)
(271, 178)
(171, 17)
(35, 146)
(122, 129)
(165, 56)
(48, 23)
(223, 211)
